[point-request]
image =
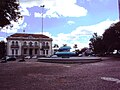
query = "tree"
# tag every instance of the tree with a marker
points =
(9, 11)
(75, 46)
(111, 37)
(56, 46)
(97, 44)
(109, 41)
(2, 49)
(64, 45)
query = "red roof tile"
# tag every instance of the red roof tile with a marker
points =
(28, 35)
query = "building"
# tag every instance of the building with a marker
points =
(20, 44)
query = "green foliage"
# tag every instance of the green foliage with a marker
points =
(97, 44)
(2, 49)
(9, 10)
(111, 37)
(75, 46)
(108, 42)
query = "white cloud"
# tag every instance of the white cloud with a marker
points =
(24, 11)
(37, 14)
(96, 0)
(70, 40)
(71, 22)
(55, 8)
(97, 28)
(81, 35)
(14, 29)
(23, 26)
(66, 8)
(3, 39)
(25, 4)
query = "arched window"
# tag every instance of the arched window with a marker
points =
(35, 43)
(16, 42)
(25, 43)
(13, 43)
(43, 44)
(30, 44)
(47, 44)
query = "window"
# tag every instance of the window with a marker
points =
(47, 44)
(12, 42)
(25, 43)
(36, 51)
(25, 51)
(43, 52)
(16, 52)
(12, 51)
(43, 44)
(30, 44)
(47, 52)
(16, 42)
(35, 43)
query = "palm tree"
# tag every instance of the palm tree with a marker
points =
(55, 48)
(75, 46)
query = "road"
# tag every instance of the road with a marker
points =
(104, 75)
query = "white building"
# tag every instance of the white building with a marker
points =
(20, 44)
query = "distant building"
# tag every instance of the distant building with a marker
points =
(20, 44)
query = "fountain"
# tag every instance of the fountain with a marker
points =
(63, 55)
(64, 52)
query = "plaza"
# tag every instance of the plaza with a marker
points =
(33, 75)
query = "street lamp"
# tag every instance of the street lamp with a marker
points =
(42, 6)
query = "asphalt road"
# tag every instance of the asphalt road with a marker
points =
(104, 75)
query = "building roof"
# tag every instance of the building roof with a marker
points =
(28, 35)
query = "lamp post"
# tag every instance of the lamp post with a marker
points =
(42, 6)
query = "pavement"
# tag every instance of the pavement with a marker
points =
(33, 75)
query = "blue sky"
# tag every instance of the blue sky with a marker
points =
(66, 21)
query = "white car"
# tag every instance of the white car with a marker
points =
(34, 57)
(27, 57)
(54, 56)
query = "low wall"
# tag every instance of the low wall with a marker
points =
(71, 60)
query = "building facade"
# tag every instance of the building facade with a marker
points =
(20, 44)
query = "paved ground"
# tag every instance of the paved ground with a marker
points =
(32, 75)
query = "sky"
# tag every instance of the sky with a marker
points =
(66, 21)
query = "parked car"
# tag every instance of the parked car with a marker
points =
(27, 57)
(7, 58)
(34, 57)
(54, 56)
(11, 59)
